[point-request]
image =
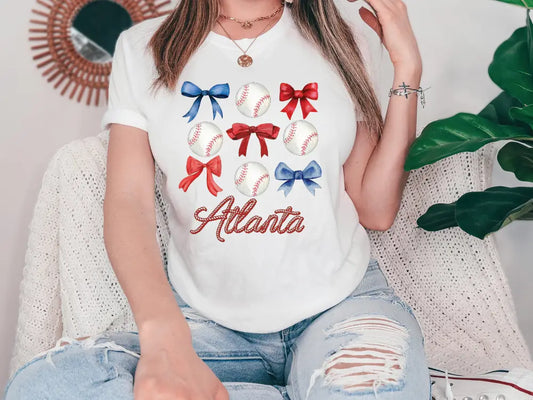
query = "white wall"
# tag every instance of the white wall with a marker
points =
(456, 37)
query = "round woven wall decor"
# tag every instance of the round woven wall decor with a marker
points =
(75, 40)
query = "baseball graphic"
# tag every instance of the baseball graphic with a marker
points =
(205, 138)
(251, 178)
(252, 99)
(300, 137)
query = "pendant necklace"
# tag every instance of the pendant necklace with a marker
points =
(244, 60)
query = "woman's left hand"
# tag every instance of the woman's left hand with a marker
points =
(393, 26)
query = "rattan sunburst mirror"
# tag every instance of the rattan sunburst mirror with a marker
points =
(76, 39)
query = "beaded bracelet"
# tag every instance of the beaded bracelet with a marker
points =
(406, 90)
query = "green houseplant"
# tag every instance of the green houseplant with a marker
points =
(508, 117)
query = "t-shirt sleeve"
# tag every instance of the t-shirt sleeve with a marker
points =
(123, 105)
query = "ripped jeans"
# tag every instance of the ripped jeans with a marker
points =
(368, 346)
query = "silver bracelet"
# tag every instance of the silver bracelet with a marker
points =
(406, 90)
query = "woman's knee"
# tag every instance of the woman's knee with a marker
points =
(373, 359)
(367, 353)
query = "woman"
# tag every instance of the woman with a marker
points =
(273, 293)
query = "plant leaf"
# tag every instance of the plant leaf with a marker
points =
(480, 213)
(523, 3)
(438, 216)
(523, 114)
(507, 110)
(517, 158)
(510, 68)
(498, 109)
(459, 133)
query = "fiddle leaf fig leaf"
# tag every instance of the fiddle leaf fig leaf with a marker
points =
(498, 109)
(438, 216)
(459, 133)
(522, 114)
(480, 213)
(510, 67)
(517, 158)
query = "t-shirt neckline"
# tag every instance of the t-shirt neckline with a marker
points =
(274, 31)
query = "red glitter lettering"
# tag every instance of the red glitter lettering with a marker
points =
(229, 218)
(271, 217)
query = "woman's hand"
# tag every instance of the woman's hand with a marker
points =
(170, 369)
(393, 27)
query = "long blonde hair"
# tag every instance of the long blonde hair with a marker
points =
(319, 21)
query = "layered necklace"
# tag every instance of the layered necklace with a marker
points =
(244, 60)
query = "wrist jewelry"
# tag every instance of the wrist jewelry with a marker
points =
(406, 90)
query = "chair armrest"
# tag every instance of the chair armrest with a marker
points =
(39, 322)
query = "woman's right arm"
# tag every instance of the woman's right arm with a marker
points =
(130, 232)
(168, 364)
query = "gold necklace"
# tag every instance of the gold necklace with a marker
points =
(247, 24)
(244, 60)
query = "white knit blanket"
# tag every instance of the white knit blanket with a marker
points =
(453, 281)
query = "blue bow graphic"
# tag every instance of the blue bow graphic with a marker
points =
(312, 171)
(220, 91)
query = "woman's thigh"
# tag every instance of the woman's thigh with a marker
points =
(90, 368)
(369, 346)
(103, 366)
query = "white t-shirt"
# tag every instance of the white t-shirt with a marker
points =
(263, 233)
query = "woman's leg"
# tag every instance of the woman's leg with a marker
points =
(80, 369)
(103, 366)
(369, 346)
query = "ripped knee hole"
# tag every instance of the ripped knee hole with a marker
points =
(374, 357)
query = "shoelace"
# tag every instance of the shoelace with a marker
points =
(447, 389)
(449, 393)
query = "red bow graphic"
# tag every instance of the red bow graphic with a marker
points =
(286, 92)
(262, 131)
(194, 169)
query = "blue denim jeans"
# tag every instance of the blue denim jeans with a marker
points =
(368, 346)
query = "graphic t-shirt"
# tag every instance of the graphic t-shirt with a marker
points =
(263, 233)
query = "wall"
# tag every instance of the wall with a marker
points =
(457, 39)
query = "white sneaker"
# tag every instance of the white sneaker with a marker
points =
(513, 384)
